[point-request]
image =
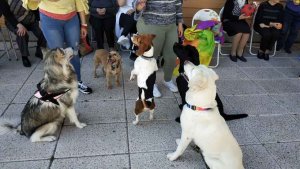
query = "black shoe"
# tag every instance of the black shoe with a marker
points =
(26, 61)
(83, 88)
(39, 56)
(242, 58)
(260, 55)
(233, 58)
(287, 50)
(266, 56)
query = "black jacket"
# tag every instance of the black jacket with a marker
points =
(9, 17)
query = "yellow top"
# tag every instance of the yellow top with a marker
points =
(57, 6)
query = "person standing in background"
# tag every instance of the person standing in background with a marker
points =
(160, 18)
(291, 26)
(30, 19)
(102, 19)
(60, 25)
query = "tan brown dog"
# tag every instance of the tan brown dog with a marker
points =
(145, 68)
(112, 65)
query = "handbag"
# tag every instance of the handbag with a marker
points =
(85, 47)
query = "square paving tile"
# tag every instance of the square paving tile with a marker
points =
(26, 92)
(263, 73)
(256, 105)
(166, 109)
(256, 156)
(231, 73)
(254, 62)
(283, 62)
(240, 131)
(280, 86)
(238, 87)
(35, 77)
(280, 128)
(43, 164)
(103, 139)
(286, 154)
(290, 72)
(101, 112)
(13, 112)
(103, 162)
(290, 101)
(15, 147)
(189, 159)
(153, 136)
(13, 77)
(2, 108)
(8, 92)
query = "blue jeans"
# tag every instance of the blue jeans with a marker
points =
(59, 32)
(291, 26)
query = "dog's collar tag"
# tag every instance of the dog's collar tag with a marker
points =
(197, 108)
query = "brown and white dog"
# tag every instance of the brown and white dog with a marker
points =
(145, 68)
(112, 65)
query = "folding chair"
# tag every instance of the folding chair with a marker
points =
(220, 16)
(6, 49)
(204, 15)
(251, 38)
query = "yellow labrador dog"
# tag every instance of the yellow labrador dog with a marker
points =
(202, 123)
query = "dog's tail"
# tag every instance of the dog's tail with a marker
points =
(8, 127)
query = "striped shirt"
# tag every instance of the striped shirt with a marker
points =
(161, 12)
(21, 14)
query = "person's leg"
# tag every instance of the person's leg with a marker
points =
(109, 27)
(168, 53)
(288, 18)
(98, 28)
(294, 29)
(266, 37)
(53, 31)
(41, 42)
(127, 22)
(72, 36)
(242, 44)
(275, 33)
(234, 45)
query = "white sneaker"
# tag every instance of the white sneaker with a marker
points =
(124, 41)
(156, 92)
(171, 86)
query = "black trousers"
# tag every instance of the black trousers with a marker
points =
(22, 41)
(128, 24)
(268, 37)
(101, 26)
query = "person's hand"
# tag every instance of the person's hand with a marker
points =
(101, 11)
(141, 4)
(243, 16)
(262, 25)
(129, 12)
(21, 30)
(83, 31)
(278, 25)
(180, 30)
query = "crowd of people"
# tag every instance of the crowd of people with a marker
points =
(61, 23)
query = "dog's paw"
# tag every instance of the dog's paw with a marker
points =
(132, 77)
(177, 141)
(81, 125)
(135, 122)
(109, 87)
(172, 156)
(96, 76)
(49, 138)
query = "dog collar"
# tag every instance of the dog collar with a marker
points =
(197, 108)
(45, 96)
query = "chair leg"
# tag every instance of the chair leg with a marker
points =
(274, 52)
(12, 45)
(221, 53)
(251, 43)
(5, 45)
(218, 56)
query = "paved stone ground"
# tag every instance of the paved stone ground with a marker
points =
(268, 91)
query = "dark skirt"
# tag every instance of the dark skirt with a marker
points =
(234, 27)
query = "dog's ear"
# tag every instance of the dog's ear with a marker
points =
(198, 82)
(68, 52)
